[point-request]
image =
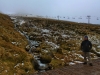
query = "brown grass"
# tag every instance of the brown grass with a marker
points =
(13, 54)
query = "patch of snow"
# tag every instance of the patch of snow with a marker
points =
(21, 22)
(71, 63)
(79, 55)
(78, 62)
(25, 32)
(52, 44)
(69, 52)
(15, 54)
(22, 64)
(94, 40)
(71, 32)
(81, 38)
(27, 71)
(95, 49)
(41, 65)
(98, 52)
(45, 31)
(57, 58)
(35, 43)
(20, 32)
(13, 18)
(46, 51)
(46, 35)
(16, 65)
(65, 36)
(98, 46)
(15, 43)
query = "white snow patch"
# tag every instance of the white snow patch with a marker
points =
(65, 36)
(81, 38)
(22, 64)
(78, 62)
(69, 52)
(71, 63)
(21, 22)
(28, 71)
(45, 31)
(13, 42)
(15, 55)
(35, 43)
(42, 66)
(13, 18)
(52, 44)
(98, 46)
(98, 52)
(79, 55)
(16, 65)
(94, 40)
(21, 33)
(94, 49)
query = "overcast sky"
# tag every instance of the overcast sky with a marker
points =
(53, 8)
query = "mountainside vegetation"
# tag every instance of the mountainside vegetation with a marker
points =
(13, 57)
(60, 39)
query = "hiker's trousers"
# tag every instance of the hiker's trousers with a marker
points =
(87, 57)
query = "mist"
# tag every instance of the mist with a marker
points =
(53, 8)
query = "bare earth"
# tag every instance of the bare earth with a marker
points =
(78, 69)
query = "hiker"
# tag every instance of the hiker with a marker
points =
(86, 47)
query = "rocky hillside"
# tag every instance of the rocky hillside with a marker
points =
(59, 39)
(14, 60)
(55, 42)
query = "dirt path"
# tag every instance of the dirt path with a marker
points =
(78, 69)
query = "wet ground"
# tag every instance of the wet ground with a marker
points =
(78, 69)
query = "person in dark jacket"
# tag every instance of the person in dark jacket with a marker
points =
(86, 46)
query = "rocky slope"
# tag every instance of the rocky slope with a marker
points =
(59, 39)
(14, 60)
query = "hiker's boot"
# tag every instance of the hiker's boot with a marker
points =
(85, 63)
(90, 64)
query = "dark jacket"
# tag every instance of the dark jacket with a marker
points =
(86, 46)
